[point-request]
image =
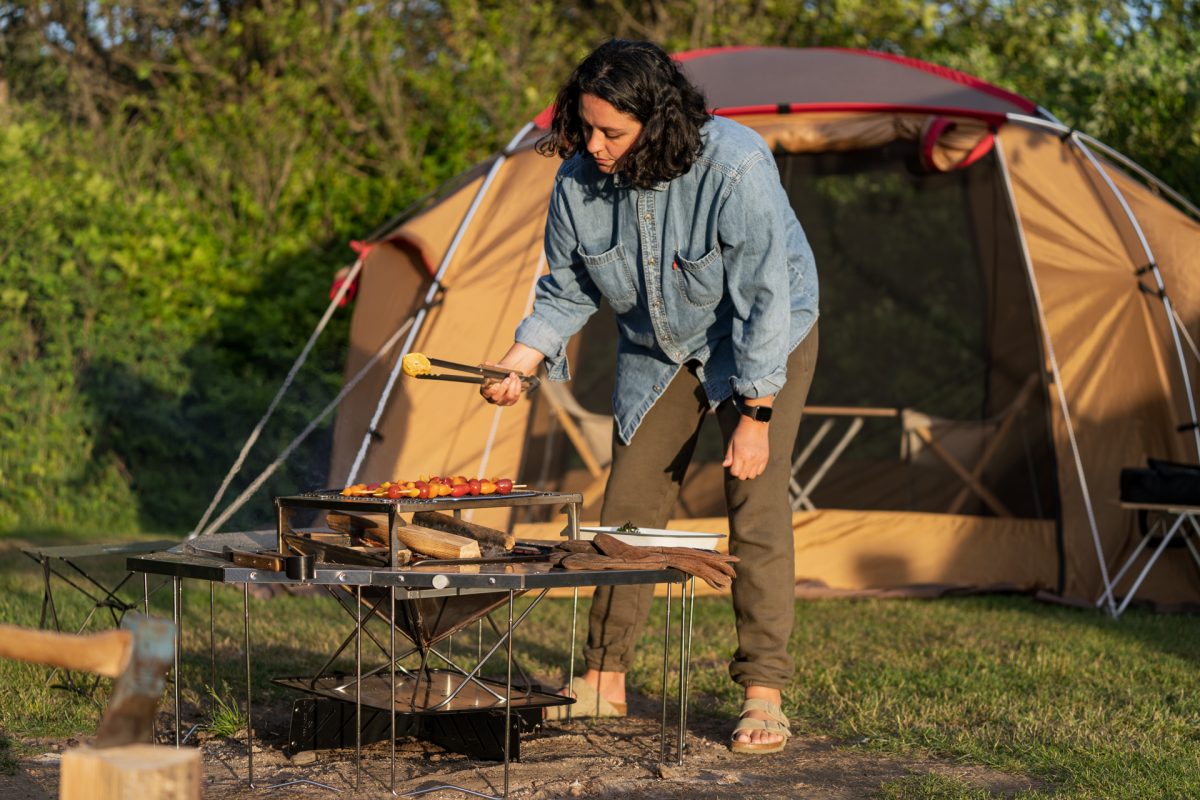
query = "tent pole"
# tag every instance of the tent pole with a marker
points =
(1058, 384)
(1162, 289)
(429, 296)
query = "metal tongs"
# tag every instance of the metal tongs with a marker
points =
(418, 365)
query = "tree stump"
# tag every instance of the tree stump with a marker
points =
(131, 772)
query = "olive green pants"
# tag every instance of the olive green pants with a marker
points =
(642, 489)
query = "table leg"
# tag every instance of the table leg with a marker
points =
(212, 639)
(1146, 569)
(571, 658)
(47, 592)
(508, 693)
(249, 716)
(1106, 596)
(358, 688)
(662, 748)
(684, 621)
(177, 601)
(687, 673)
(392, 657)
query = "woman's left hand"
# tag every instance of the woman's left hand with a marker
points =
(746, 457)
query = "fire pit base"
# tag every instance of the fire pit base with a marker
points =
(435, 692)
(323, 724)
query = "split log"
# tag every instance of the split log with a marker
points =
(480, 533)
(438, 544)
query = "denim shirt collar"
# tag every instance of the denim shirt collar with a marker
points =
(621, 182)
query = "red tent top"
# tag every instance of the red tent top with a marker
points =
(745, 80)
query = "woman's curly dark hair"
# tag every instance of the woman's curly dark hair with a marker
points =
(639, 79)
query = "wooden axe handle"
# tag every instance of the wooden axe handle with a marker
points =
(104, 654)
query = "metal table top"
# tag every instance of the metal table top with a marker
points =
(441, 579)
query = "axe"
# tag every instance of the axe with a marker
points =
(136, 658)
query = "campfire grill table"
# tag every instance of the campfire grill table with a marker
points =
(200, 560)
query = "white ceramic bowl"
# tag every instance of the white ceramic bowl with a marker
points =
(658, 537)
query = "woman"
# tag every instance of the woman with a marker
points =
(679, 221)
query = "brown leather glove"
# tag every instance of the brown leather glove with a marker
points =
(608, 552)
(715, 569)
(600, 561)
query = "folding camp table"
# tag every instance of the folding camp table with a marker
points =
(395, 586)
(70, 564)
(1173, 518)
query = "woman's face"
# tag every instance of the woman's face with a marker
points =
(608, 133)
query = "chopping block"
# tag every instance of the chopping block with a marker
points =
(122, 764)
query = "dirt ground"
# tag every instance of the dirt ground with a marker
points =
(604, 759)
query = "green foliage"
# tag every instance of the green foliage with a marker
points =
(225, 717)
(179, 181)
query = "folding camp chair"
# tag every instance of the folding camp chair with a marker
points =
(801, 493)
(951, 442)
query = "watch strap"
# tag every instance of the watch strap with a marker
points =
(756, 413)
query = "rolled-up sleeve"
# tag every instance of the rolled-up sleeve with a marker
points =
(564, 298)
(754, 224)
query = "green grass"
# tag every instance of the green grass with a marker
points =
(225, 716)
(931, 787)
(1088, 706)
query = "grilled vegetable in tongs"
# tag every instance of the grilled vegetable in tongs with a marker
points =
(418, 365)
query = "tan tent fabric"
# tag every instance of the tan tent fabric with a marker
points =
(1174, 241)
(823, 132)
(1102, 333)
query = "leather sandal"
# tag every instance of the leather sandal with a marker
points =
(775, 723)
(588, 703)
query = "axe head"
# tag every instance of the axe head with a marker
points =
(133, 704)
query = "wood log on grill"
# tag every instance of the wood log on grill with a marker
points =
(419, 536)
(497, 540)
(371, 527)
(438, 544)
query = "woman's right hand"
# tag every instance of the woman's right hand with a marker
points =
(501, 392)
(519, 360)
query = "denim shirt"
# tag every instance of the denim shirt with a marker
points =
(711, 267)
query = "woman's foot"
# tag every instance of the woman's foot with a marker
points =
(609, 685)
(596, 693)
(768, 731)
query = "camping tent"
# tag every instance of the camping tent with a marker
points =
(1005, 317)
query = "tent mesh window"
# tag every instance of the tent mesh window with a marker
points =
(925, 306)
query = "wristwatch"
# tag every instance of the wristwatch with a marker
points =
(756, 413)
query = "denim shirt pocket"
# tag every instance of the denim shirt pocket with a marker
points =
(610, 272)
(701, 282)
